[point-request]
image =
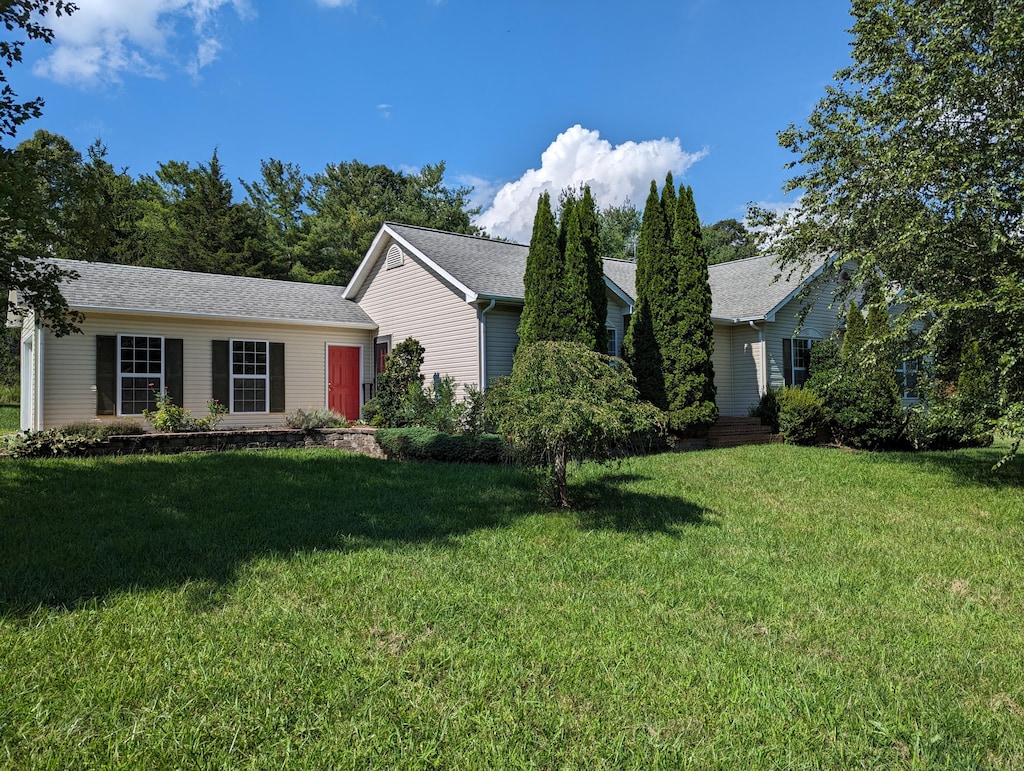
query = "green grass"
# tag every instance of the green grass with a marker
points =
(10, 418)
(762, 607)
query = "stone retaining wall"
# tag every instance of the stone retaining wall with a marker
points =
(357, 439)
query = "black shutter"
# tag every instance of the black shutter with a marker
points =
(787, 361)
(221, 372)
(277, 377)
(174, 370)
(106, 374)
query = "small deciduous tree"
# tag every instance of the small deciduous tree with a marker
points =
(401, 370)
(564, 402)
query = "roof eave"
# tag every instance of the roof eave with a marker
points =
(224, 317)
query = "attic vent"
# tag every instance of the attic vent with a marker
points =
(395, 258)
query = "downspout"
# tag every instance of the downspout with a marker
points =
(483, 345)
(762, 380)
(40, 334)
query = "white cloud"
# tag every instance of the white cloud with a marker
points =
(579, 155)
(105, 39)
(384, 110)
(336, 3)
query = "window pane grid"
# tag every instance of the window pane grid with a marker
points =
(140, 359)
(249, 375)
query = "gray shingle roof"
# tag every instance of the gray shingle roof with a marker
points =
(488, 268)
(129, 288)
(742, 289)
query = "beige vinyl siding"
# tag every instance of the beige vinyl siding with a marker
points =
(721, 361)
(616, 318)
(502, 325)
(411, 301)
(745, 370)
(70, 363)
(819, 323)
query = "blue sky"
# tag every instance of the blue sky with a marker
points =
(516, 96)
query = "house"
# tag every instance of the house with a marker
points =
(263, 348)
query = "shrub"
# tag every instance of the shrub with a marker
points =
(371, 413)
(801, 415)
(432, 406)
(401, 370)
(95, 429)
(767, 409)
(169, 417)
(48, 443)
(421, 443)
(317, 417)
(942, 427)
(564, 402)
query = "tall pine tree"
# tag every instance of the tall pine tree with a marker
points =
(690, 342)
(669, 206)
(542, 279)
(654, 277)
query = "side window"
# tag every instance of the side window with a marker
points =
(613, 342)
(250, 376)
(140, 373)
(801, 360)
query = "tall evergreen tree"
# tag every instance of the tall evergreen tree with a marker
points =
(542, 278)
(669, 205)
(854, 337)
(654, 277)
(596, 289)
(690, 376)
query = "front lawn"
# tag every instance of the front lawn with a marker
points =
(760, 607)
(10, 418)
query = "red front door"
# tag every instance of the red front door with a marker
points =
(343, 380)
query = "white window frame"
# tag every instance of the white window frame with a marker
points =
(244, 376)
(612, 345)
(903, 368)
(156, 381)
(793, 369)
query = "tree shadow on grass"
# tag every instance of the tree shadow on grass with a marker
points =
(606, 504)
(968, 467)
(78, 531)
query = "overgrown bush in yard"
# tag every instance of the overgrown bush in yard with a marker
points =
(564, 402)
(951, 416)
(317, 417)
(70, 440)
(422, 443)
(401, 370)
(801, 415)
(96, 429)
(438, 408)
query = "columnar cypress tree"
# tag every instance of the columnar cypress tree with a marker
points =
(565, 296)
(596, 287)
(689, 374)
(654, 281)
(854, 338)
(542, 279)
(669, 206)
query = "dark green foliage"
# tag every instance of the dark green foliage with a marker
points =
(728, 240)
(433, 407)
(401, 370)
(689, 374)
(565, 402)
(654, 281)
(10, 357)
(767, 409)
(669, 205)
(801, 415)
(427, 444)
(858, 385)
(541, 319)
(962, 415)
(317, 417)
(580, 301)
(104, 429)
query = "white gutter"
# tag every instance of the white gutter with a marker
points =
(762, 381)
(482, 342)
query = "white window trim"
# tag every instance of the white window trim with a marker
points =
(157, 380)
(792, 359)
(233, 377)
(903, 368)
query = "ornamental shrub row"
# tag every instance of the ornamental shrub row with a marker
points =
(421, 443)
